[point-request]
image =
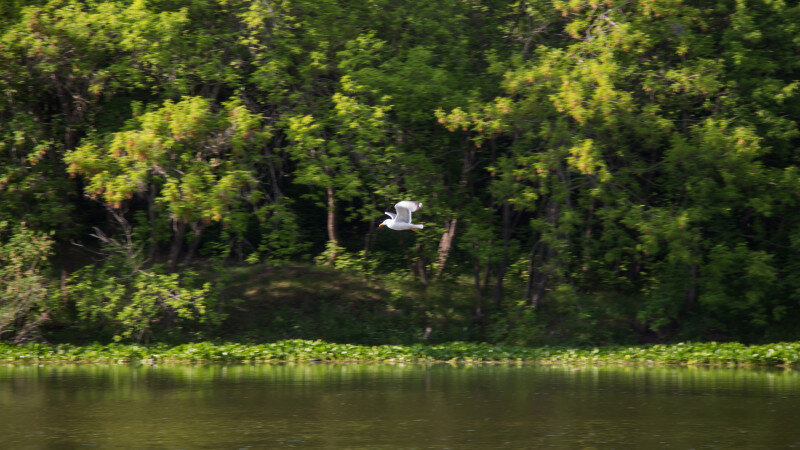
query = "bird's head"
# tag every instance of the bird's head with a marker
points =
(385, 223)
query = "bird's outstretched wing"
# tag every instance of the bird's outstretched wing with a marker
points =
(404, 210)
(390, 214)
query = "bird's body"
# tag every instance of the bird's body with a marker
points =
(402, 219)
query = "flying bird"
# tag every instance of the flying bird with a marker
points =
(402, 220)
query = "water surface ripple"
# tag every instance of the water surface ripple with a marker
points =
(396, 406)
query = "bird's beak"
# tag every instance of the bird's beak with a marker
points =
(380, 225)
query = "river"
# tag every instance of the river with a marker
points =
(396, 406)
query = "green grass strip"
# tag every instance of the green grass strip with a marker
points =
(708, 353)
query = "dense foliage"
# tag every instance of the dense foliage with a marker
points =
(592, 171)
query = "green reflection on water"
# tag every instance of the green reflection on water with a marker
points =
(382, 405)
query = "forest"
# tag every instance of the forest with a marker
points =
(591, 171)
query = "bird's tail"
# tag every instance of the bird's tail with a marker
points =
(417, 225)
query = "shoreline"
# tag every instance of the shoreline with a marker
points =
(731, 354)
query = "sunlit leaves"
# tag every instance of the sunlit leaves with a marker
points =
(332, 150)
(587, 159)
(182, 153)
(135, 308)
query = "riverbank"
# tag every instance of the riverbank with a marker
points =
(709, 353)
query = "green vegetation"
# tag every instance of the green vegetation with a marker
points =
(592, 172)
(710, 353)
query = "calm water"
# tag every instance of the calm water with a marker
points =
(393, 406)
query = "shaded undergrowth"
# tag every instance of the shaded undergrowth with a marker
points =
(298, 301)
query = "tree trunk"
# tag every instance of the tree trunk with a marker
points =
(368, 238)
(498, 291)
(333, 239)
(273, 174)
(151, 215)
(540, 277)
(487, 272)
(587, 241)
(197, 232)
(179, 231)
(418, 265)
(542, 260)
(69, 111)
(445, 244)
(476, 272)
(529, 282)
(691, 291)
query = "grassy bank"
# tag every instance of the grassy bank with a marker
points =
(712, 353)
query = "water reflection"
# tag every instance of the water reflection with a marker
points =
(380, 405)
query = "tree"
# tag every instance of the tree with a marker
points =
(627, 147)
(181, 157)
(334, 153)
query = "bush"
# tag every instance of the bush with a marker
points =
(23, 288)
(140, 306)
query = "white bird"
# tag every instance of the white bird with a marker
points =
(402, 220)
